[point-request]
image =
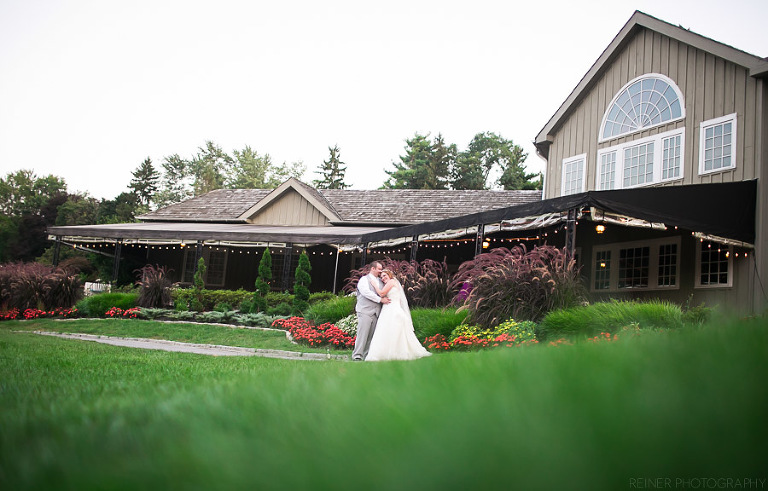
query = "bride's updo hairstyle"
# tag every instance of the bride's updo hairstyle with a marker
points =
(389, 273)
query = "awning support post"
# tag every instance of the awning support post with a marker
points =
(364, 256)
(570, 233)
(287, 256)
(479, 239)
(116, 262)
(56, 250)
(414, 247)
(336, 269)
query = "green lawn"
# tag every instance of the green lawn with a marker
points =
(680, 404)
(172, 331)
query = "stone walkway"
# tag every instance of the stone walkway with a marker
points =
(202, 349)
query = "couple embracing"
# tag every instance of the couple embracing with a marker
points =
(384, 325)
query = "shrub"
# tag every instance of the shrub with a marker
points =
(259, 303)
(183, 296)
(519, 284)
(61, 289)
(97, 305)
(698, 315)
(259, 319)
(222, 307)
(301, 284)
(427, 284)
(320, 297)
(428, 322)
(337, 307)
(609, 317)
(35, 285)
(154, 286)
(280, 309)
(348, 324)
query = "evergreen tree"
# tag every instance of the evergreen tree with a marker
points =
(441, 160)
(411, 171)
(144, 183)
(198, 283)
(262, 282)
(301, 285)
(332, 171)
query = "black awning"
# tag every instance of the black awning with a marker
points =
(723, 209)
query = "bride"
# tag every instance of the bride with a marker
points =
(394, 338)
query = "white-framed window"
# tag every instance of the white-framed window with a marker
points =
(714, 265)
(573, 174)
(671, 157)
(606, 170)
(641, 162)
(717, 144)
(649, 100)
(638, 164)
(215, 265)
(646, 265)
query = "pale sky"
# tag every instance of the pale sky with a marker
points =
(89, 89)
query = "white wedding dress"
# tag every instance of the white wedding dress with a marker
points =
(394, 338)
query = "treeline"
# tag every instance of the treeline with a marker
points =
(29, 204)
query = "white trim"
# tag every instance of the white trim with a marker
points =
(618, 94)
(697, 281)
(658, 153)
(653, 264)
(571, 160)
(703, 128)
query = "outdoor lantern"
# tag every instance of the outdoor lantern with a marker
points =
(486, 244)
(600, 228)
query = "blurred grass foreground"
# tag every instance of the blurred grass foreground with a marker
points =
(612, 413)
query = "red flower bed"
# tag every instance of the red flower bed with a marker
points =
(305, 332)
(438, 342)
(13, 314)
(117, 312)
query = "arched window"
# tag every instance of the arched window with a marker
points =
(647, 101)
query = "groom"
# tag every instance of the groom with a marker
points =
(367, 308)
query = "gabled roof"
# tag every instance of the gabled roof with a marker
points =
(758, 67)
(308, 193)
(344, 206)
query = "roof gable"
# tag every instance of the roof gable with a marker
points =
(292, 190)
(758, 67)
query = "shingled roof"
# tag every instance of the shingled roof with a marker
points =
(353, 207)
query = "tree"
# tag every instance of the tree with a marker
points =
(332, 171)
(467, 173)
(411, 172)
(285, 170)
(442, 159)
(28, 205)
(175, 184)
(24, 193)
(489, 152)
(144, 183)
(262, 282)
(78, 209)
(198, 283)
(301, 284)
(209, 168)
(122, 209)
(251, 170)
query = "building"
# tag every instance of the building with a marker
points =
(230, 229)
(666, 108)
